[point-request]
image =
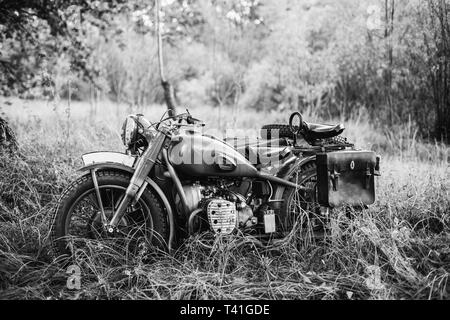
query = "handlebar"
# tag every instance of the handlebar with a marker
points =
(179, 118)
(192, 120)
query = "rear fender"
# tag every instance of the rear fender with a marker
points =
(111, 161)
(293, 164)
(287, 169)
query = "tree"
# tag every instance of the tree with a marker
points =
(168, 89)
(42, 29)
(34, 30)
(438, 46)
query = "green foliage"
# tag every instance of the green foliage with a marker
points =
(319, 55)
(35, 33)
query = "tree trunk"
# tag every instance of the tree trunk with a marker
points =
(440, 68)
(7, 137)
(169, 96)
(388, 34)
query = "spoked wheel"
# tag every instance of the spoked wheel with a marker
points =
(85, 217)
(79, 218)
(300, 209)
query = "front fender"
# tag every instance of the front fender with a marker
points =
(107, 165)
(102, 157)
(121, 162)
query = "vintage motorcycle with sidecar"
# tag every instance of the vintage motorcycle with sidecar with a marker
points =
(174, 181)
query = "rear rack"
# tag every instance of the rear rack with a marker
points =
(314, 147)
(325, 145)
(336, 141)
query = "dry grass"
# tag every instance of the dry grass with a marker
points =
(398, 249)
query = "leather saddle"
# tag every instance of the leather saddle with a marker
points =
(314, 131)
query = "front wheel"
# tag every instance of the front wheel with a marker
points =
(78, 215)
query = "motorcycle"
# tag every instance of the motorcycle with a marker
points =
(174, 181)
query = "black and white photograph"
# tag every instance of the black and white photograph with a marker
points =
(230, 157)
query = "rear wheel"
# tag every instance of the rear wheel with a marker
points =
(300, 207)
(78, 216)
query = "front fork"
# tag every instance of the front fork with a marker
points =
(137, 183)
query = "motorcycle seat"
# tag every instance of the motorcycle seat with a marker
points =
(316, 131)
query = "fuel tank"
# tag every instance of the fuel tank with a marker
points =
(199, 155)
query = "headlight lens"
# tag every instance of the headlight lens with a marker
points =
(129, 131)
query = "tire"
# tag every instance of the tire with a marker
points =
(277, 130)
(309, 215)
(150, 213)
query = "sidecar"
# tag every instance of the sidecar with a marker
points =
(345, 174)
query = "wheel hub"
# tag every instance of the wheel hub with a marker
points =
(98, 228)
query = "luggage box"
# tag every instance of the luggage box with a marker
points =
(347, 178)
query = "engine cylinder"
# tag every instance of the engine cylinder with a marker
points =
(222, 215)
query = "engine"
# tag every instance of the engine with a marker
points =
(222, 215)
(222, 208)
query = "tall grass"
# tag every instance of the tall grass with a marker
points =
(396, 249)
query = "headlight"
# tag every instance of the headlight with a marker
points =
(129, 131)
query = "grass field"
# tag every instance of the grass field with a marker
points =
(397, 249)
